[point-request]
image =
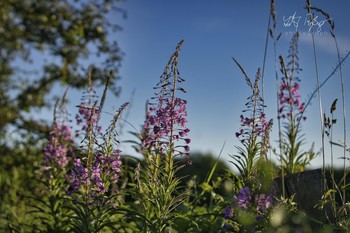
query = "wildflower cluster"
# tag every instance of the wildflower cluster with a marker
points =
(254, 136)
(164, 137)
(166, 119)
(77, 187)
(160, 122)
(263, 202)
(259, 125)
(254, 132)
(97, 168)
(290, 104)
(291, 111)
(244, 198)
(58, 148)
(255, 124)
(87, 116)
(289, 98)
(104, 171)
(245, 201)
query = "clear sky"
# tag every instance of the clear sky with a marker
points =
(215, 31)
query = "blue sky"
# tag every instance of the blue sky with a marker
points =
(214, 32)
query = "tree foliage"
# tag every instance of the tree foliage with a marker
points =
(45, 44)
(66, 34)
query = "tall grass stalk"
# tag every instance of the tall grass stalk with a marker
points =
(265, 53)
(332, 31)
(308, 102)
(329, 123)
(275, 39)
(344, 113)
(332, 26)
(342, 97)
(332, 121)
(311, 18)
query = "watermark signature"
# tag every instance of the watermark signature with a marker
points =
(310, 21)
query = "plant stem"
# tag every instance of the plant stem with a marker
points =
(279, 123)
(344, 118)
(264, 60)
(318, 95)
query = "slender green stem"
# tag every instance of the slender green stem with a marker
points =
(172, 124)
(332, 162)
(273, 35)
(278, 118)
(344, 117)
(318, 95)
(90, 132)
(264, 60)
(319, 101)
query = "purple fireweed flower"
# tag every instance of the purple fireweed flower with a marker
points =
(169, 120)
(87, 115)
(259, 126)
(184, 132)
(166, 119)
(80, 175)
(254, 123)
(228, 213)
(112, 166)
(289, 99)
(58, 148)
(244, 198)
(104, 170)
(290, 102)
(263, 202)
(247, 201)
(187, 140)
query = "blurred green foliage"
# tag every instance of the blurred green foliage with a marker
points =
(65, 32)
(45, 43)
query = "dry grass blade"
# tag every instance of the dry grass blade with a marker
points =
(328, 17)
(321, 11)
(273, 13)
(256, 83)
(245, 74)
(64, 99)
(90, 132)
(55, 111)
(105, 92)
(283, 67)
(308, 6)
(334, 106)
(173, 61)
(279, 36)
(90, 81)
(60, 106)
(111, 128)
